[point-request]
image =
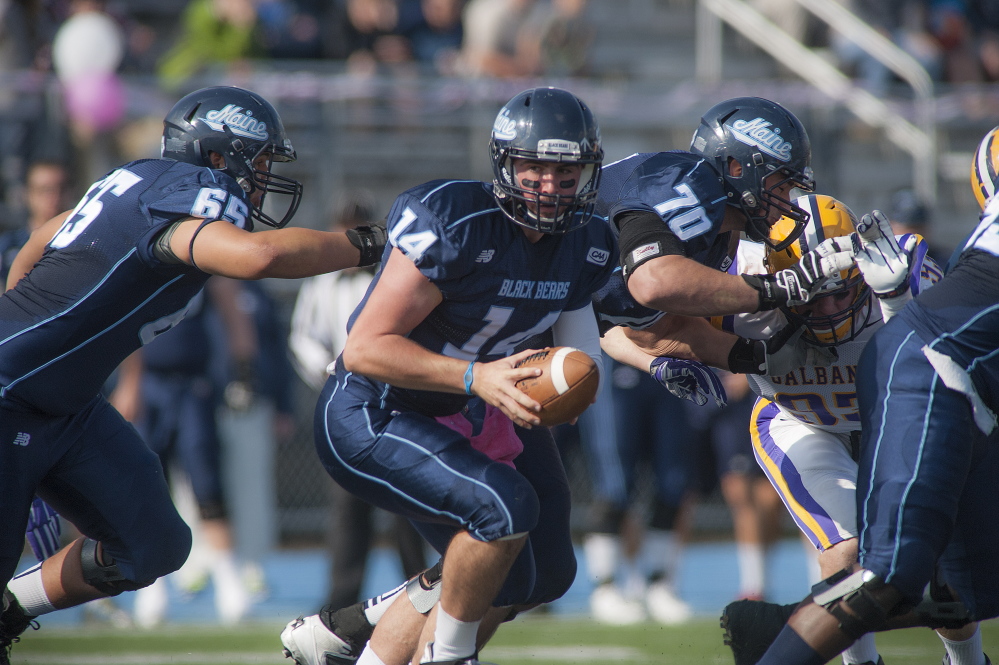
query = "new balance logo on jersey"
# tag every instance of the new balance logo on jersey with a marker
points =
(22, 439)
(485, 256)
(597, 256)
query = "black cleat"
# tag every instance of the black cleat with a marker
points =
(13, 621)
(751, 626)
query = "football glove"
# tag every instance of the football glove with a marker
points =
(370, 240)
(43, 530)
(782, 353)
(884, 264)
(801, 282)
(689, 379)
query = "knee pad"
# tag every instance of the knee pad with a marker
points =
(605, 517)
(860, 601)
(424, 590)
(663, 516)
(106, 578)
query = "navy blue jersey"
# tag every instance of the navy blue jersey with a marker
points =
(188, 349)
(10, 244)
(682, 189)
(499, 289)
(98, 292)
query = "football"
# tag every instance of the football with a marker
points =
(567, 385)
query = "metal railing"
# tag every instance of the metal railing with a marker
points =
(918, 139)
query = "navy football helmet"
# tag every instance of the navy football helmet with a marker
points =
(765, 138)
(552, 125)
(240, 126)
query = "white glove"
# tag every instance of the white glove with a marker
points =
(884, 264)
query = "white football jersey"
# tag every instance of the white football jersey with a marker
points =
(824, 397)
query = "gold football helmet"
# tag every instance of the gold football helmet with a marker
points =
(843, 308)
(985, 167)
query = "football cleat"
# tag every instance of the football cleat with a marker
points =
(13, 621)
(308, 641)
(751, 626)
(609, 606)
(665, 606)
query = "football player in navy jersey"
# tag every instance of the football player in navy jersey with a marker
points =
(90, 287)
(472, 272)
(679, 215)
(926, 502)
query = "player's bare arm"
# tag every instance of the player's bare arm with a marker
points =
(679, 285)
(220, 248)
(378, 346)
(685, 337)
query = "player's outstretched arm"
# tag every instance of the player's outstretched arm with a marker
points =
(219, 248)
(679, 285)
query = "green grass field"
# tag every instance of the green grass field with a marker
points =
(531, 640)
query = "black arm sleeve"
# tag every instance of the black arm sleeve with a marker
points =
(643, 237)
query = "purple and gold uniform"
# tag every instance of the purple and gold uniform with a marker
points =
(803, 421)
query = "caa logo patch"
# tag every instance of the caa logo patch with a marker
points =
(597, 256)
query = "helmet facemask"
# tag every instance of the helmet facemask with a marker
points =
(524, 205)
(853, 297)
(239, 163)
(764, 208)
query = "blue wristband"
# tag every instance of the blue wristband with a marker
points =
(469, 378)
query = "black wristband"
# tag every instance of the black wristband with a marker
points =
(370, 240)
(748, 356)
(902, 288)
(770, 296)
